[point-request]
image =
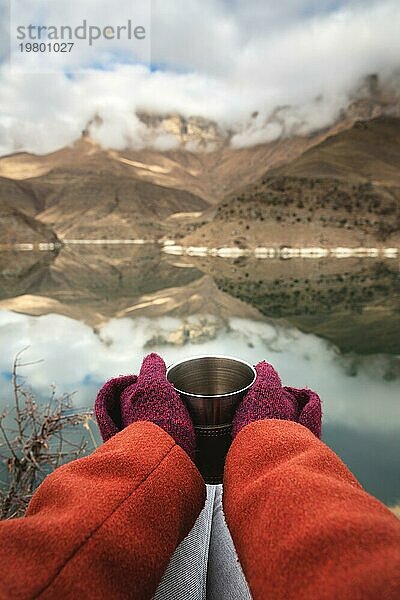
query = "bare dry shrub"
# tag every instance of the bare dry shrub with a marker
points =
(35, 439)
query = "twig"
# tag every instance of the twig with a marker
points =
(37, 445)
(86, 425)
(8, 444)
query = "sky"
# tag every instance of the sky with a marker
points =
(221, 59)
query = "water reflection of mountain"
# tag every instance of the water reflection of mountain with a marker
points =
(352, 302)
(90, 280)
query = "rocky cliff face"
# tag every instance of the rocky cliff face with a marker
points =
(195, 133)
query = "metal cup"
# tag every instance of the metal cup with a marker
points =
(212, 387)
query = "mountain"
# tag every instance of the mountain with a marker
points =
(83, 203)
(86, 191)
(199, 157)
(17, 208)
(369, 151)
(208, 173)
(344, 191)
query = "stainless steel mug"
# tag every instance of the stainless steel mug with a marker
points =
(212, 387)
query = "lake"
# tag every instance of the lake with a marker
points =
(333, 325)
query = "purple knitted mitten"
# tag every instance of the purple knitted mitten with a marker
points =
(148, 397)
(267, 399)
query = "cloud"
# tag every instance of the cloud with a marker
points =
(296, 64)
(361, 393)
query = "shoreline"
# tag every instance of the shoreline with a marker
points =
(259, 252)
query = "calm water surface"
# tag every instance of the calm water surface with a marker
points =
(332, 325)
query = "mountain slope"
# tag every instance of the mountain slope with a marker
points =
(18, 205)
(370, 150)
(325, 197)
(16, 226)
(82, 203)
(208, 174)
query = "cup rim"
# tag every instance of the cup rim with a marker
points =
(199, 356)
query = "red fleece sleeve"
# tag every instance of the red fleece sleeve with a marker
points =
(104, 526)
(302, 525)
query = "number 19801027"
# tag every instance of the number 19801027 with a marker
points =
(46, 47)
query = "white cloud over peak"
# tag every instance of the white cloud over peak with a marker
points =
(217, 59)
